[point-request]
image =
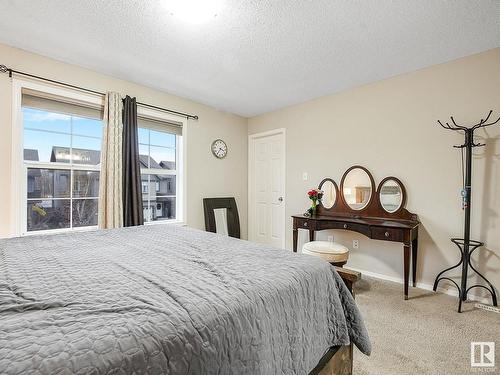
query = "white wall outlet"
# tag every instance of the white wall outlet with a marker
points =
(305, 176)
(330, 239)
(355, 244)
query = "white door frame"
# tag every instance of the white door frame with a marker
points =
(251, 218)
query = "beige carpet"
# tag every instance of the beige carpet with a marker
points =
(424, 335)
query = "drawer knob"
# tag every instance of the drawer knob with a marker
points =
(386, 234)
(345, 226)
(305, 224)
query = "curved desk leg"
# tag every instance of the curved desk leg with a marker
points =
(406, 270)
(414, 247)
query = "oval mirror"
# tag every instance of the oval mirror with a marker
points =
(391, 194)
(329, 189)
(357, 188)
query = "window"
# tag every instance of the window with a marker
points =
(61, 158)
(159, 159)
(59, 133)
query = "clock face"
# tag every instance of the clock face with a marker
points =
(219, 148)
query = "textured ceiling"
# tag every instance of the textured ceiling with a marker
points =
(254, 56)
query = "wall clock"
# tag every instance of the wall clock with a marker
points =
(219, 148)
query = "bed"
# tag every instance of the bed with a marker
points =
(165, 299)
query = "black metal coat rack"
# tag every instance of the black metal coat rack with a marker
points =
(465, 244)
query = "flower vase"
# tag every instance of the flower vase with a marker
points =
(314, 205)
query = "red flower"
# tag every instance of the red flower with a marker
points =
(315, 194)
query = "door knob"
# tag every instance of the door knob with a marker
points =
(280, 199)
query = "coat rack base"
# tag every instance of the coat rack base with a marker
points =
(466, 249)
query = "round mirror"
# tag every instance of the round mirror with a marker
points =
(357, 187)
(329, 189)
(391, 194)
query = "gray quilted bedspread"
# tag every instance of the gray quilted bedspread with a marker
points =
(167, 300)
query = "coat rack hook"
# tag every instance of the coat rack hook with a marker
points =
(487, 117)
(483, 123)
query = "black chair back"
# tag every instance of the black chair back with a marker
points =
(225, 206)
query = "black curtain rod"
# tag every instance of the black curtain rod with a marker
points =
(5, 69)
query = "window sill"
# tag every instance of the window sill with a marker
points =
(88, 229)
(57, 231)
(167, 222)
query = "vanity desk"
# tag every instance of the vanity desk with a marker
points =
(378, 214)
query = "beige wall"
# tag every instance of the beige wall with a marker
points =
(390, 127)
(206, 175)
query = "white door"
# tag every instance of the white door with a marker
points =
(266, 178)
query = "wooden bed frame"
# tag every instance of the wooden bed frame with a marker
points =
(338, 359)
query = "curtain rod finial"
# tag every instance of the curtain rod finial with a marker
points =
(5, 69)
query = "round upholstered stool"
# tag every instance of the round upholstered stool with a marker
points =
(332, 252)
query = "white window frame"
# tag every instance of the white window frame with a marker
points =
(19, 171)
(180, 166)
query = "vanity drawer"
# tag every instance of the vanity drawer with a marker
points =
(333, 225)
(387, 234)
(363, 229)
(303, 223)
(327, 224)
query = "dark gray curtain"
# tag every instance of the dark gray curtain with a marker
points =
(132, 193)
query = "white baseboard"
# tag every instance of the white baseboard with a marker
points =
(452, 291)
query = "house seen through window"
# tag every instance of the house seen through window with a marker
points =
(62, 164)
(158, 160)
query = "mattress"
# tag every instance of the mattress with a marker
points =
(164, 299)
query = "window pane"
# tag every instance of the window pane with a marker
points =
(85, 184)
(37, 119)
(146, 212)
(85, 126)
(162, 208)
(46, 147)
(48, 214)
(162, 139)
(145, 187)
(166, 185)
(48, 183)
(143, 136)
(168, 165)
(162, 156)
(86, 150)
(57, 137)
(144, 156)
(84, 212)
